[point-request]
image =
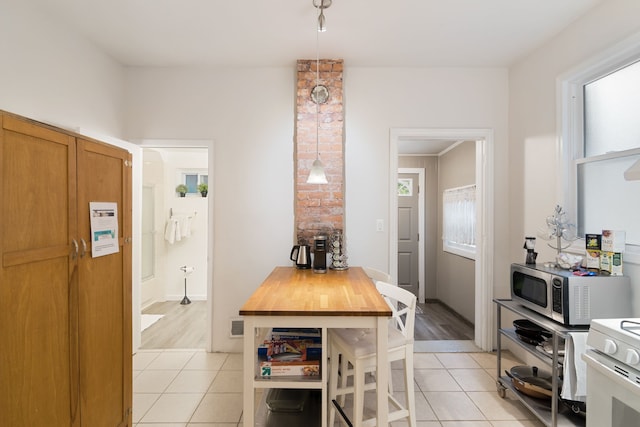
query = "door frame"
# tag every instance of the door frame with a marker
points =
(421, 233)
(189, 143)
(484, 334)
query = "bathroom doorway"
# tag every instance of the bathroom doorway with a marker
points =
(175, 284)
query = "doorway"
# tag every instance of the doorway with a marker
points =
(175, 289)
(483, 310)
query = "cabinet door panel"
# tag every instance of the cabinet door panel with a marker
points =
(37, 284)
(104, 291)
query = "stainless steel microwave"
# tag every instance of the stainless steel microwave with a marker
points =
(567, 298)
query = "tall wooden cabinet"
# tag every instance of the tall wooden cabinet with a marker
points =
(65, 317)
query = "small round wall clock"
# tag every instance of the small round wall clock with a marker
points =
(319, 94)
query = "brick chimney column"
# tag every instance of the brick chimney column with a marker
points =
(319, 208)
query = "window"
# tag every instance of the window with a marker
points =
(459, 221)
(602, 135)
(192, 179)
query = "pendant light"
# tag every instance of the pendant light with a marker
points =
(319, 94)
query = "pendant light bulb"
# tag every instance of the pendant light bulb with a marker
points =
(317, 175)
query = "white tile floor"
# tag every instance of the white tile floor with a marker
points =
(180, 388)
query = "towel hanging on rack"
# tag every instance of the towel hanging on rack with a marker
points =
(574, 385)
(172, 231)
(184, 225)
(178, 227)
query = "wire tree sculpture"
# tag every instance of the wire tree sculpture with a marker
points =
(560, 229)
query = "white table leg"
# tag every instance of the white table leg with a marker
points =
(248, 395)
(382, 370)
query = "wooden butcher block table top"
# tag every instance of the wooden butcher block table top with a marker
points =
(289, 291)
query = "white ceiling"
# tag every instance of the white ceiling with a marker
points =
(374, 33)
(275, 33)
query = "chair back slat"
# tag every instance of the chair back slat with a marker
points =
(402, 304)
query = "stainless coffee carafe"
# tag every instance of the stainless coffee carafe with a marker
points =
(301, 254)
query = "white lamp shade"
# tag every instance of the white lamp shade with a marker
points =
(317, 176)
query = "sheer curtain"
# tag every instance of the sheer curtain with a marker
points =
(459, 220)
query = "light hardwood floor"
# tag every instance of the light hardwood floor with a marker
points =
(184, 326)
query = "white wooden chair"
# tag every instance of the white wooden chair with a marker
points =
(377, 275)
(356, 351)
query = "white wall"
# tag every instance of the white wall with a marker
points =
(456, 279)
(49, 75)
(379, 99)
(533, 152)
(250, 115)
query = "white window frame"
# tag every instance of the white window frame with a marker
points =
(458, 248)
(570, 114)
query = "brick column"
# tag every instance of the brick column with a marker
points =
(319, 207)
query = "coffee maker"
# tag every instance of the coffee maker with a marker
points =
(320, 254)
(530, 245)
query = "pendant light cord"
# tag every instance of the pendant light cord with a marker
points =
(317, 100)
(317, 174)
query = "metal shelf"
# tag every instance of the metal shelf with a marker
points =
(541, 408)
(551, 412)
(540, 320)
(511, 334)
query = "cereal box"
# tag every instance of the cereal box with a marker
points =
(613, 240)
(593, 246)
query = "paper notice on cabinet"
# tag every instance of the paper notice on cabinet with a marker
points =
(104, 228)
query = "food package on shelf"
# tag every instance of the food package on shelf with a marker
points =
(593, 246)
(308, 368)
(611, 263)
(613, 240)
(289, 350)
(312, 334)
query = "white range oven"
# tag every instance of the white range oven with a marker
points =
(613, 373)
